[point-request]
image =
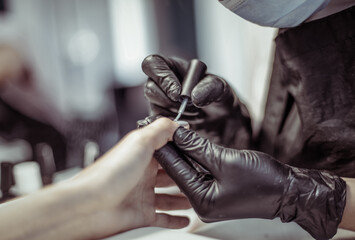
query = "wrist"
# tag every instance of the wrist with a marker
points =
(74, 206)
(315, 200)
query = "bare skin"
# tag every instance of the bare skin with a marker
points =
(113, 195)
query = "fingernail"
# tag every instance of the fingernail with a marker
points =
(142, 123)
(184, 124)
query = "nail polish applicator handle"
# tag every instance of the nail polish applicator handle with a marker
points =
(195, 72)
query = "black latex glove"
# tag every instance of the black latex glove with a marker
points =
(248, 184)
(215, 112)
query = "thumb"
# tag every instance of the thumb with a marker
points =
(210, 89)
(158, 133)
(200, 149)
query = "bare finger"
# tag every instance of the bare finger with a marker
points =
(168, 202)
(163, 179)
(169, 221)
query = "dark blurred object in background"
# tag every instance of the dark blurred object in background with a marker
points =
(131, 106)
(3, 6)
(6, 181)
(85, 56)
(15, 125)
(175, 22)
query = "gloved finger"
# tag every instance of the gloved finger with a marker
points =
(163, 179)
(210, 89)
(168, 221)
(155, 95)
(155, 109)
(180, 170)
(157, 68)
(198, 149)
(167, 202)
(146, 121)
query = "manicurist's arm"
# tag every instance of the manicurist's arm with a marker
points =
(238, 184)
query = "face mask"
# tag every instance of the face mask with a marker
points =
(275, 13)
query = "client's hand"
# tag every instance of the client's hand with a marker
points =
(124, 180)
(113, 195)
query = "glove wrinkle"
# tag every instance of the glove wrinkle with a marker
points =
(315, 201)
(215, 110)
(157, 95)
(172, 88)
(210, 89)
(252, 184)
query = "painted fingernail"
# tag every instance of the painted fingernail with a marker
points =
(183, 124)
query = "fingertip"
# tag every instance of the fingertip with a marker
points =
(164, 128)
(183, 124)
(179, 133)
(172, 222)
(208, 90)
(168, 202)
(152, 65)
(149, 86)
(199, 97)
(159, 69)
(184, 222)
(148, 60)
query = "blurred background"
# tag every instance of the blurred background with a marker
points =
(71, 83)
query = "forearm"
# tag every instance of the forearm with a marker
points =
(349, 211)
(56, 212)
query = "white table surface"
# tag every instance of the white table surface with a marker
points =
(245, 229)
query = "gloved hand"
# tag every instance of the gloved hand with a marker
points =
(216, 111)
(250, 184)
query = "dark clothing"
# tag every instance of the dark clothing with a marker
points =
(310, 112)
